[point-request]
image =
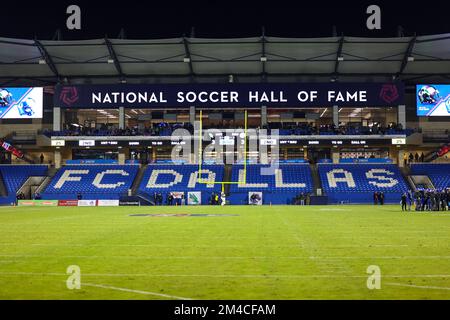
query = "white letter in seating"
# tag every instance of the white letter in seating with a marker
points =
(249, 185)
(66, 177)
(154, 177)
(389, 182)
(280, 184)
(333, 180)
(99, 177)
(194, 178)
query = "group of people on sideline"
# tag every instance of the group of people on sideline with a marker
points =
(426, 200)
(378, 198)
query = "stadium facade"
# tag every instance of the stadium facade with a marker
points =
(342, 117)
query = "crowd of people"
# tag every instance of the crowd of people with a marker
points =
(166, 129)
(160, 129)
(413, 158)
(426, 200)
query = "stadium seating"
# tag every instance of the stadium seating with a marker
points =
(92, 181)
(279, 186)
(15, 175)
(438, 173)
(356, 183)
(181, 178)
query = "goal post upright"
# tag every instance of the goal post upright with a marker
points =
(200, 154)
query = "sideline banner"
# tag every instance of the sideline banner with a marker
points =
(108, 203)
(230, 95)
(255, 198)
(68, 203)
(87, 203)
(38, 203)
(194, 198)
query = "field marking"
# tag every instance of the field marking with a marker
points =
(218, 257)
(286, 276)
(194, 245)
(134, 291)
(416, 286)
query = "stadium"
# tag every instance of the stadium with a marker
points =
(244, 168)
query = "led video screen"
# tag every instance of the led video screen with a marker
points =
(21, 103)
(433, 100)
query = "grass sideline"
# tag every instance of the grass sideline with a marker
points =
(278, 252)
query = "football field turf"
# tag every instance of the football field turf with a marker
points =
(251, 252)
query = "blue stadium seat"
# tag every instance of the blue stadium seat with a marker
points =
(92, 181)
(356, 183)
(14, 176)
(279, 186)
(182, 178)
(438, 173)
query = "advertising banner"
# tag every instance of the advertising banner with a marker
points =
(38, 203)
(255, 198)
(68, 203)
(21, 103)
(129, 203)
(433, 100)
(108, 203)
(87, 203)
(229, 95)
(194, 198)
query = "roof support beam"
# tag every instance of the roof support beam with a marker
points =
(187, 52)
(407, 54)
(338, 55)
(112, 54)
(263, 53)
(48, 59)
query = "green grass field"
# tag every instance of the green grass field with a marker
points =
(279, 252)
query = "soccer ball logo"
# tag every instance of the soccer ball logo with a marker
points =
(428, 95)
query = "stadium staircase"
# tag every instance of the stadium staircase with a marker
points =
(315, 178)
(3, 192)
(227, 178)
(50, 174)
(137, 180)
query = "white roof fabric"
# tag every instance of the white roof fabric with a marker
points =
(411, 59)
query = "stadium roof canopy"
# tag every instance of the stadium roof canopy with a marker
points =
(411, 59)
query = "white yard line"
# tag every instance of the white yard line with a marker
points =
(133, 291)
(415, 286)
(217, 257)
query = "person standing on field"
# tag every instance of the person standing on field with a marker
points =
(403, 202)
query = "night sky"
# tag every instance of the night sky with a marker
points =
(221, 19)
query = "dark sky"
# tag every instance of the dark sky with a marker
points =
(226, 18)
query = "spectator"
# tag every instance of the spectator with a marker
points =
(41, 158)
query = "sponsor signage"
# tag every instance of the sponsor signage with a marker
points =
(68, 203)
(129, 203)
(255, 198)
(107, 203)
(38, 203)
(194, 198)
(87, 203)
(230, 95)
